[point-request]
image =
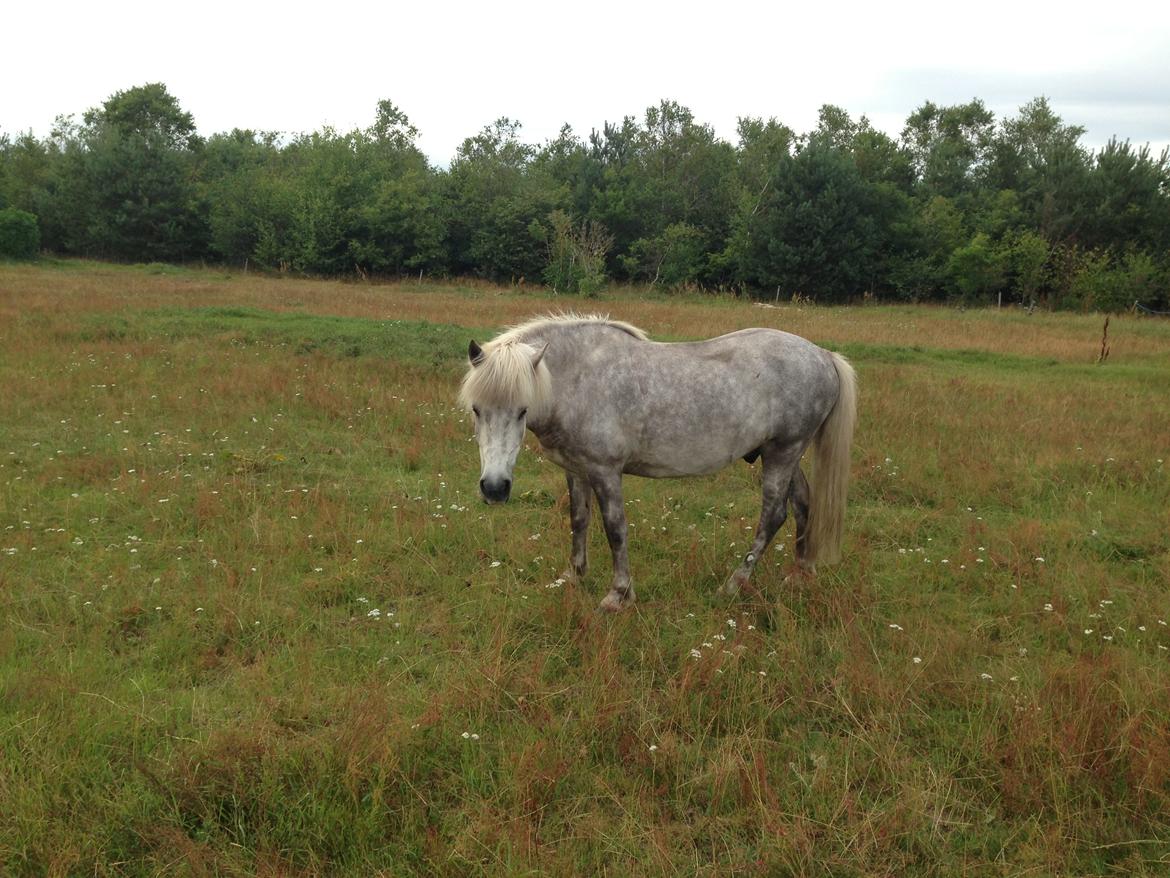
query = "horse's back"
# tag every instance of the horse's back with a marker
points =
(693, 407)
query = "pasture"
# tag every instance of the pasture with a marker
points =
(254, 619)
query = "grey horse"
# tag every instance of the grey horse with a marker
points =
(604, 400)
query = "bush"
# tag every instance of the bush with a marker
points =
(20, 236)
(576, 255)
(674, 258)
(1103, 283)
(977, 270)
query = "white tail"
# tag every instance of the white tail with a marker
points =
(831, 450)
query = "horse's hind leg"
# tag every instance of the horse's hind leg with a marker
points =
(798, 496)
(580, 509)
(779, 463)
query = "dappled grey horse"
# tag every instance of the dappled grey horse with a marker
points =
(605, 400)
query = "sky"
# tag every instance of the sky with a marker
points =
(454, 66)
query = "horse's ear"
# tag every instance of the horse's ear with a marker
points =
(536, 357)
(474, 353)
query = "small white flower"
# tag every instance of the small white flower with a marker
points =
(985, 676)
(917, 659)
(466, 735)
(496, 563)
(896, 626)
(653, 747)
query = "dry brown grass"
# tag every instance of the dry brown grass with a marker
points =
(31, 292)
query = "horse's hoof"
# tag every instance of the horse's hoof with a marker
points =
(614, 602)
(801, 572)
(734, 583)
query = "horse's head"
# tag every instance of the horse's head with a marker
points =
(502, 387)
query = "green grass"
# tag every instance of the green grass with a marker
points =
(202, 507)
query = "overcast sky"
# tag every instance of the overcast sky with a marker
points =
(453, 67)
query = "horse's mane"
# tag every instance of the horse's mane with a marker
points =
(550, 321)
(504, 377)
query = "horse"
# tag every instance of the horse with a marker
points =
(604, 400)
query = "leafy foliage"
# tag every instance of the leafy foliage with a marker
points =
(960, 206)
(576, 257)
(20, 238)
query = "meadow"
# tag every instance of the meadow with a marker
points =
(255, 621)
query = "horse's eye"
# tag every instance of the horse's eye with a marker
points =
(523, 412)
(475, 410)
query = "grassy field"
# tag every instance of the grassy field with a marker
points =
(254, 620)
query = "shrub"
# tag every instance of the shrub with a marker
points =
(977, 270)
(576, 255)
(20, 236)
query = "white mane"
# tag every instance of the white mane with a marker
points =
(504, 376)
(565, 317)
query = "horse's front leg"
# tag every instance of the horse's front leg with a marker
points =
(580, 510)
(608, 488)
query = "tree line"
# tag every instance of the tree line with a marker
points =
(961, 207)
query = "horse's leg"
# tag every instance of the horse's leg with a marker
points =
(580, 510)
(779, 462)
(798, 495)
(608, 488)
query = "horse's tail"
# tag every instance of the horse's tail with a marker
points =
(831, 450)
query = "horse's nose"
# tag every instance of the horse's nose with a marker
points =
(495, 491)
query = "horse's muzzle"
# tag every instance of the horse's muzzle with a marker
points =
(495, 491)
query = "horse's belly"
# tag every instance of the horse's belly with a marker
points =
(667, 468)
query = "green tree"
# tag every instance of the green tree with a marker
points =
(1128, 200)
(498, 208)
(140, 160)
(949, 147)
(816, 230)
